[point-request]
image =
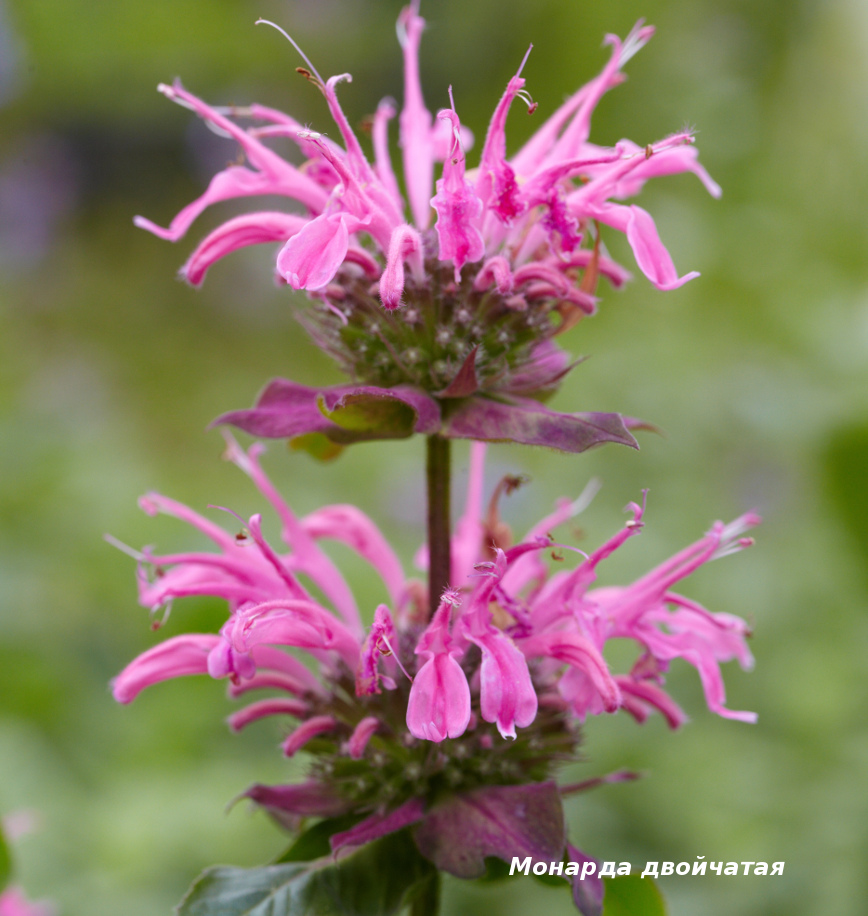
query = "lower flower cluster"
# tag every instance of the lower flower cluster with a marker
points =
(424, 706)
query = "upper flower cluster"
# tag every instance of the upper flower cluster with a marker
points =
(513, 259)
(524, 221)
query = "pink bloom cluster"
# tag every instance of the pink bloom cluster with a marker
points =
(13, 902)
(524, 221)
(508, 638)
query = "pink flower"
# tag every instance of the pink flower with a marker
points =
(439, 704)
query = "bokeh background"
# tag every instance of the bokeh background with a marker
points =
(110, 371)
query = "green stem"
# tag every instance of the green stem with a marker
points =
(438, 473)
(427, 900)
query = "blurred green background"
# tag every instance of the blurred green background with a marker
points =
(110, 371)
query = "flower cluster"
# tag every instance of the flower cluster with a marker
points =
(511, 645)
(445, 330)
(13, 902)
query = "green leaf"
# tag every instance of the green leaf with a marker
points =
(495, 870)
(632, 895)
(372, 416)
(313, 843)
(5, 861)
(377, 880)
(317, 444)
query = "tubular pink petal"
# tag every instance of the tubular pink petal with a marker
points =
(275, 706)
(293, 587)
(364, 260)
(442, 139)
(651, 255)
(544, 146)
(406, 243)
(250, 229)
(361, 735)
(578, 651)
(311, 559)
(154, 503)
(576, 133)
(458, 209)
(379, 642)
(496, 184)
(274, 176)
(469, 530)
(507, 694)
(415, 122)
(293, 623)
(382, 160)
(352, 527)
(267, 680)
(235, 181)
(495, 271)
(176, 657)
(307, 731)
(439, 703)
(355, 156)
(670, 161)
(613, 272)
(312, 257)
(224, 660)
(652, 695)
(276, 660)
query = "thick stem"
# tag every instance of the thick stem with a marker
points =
(439, 554)
(427, 900)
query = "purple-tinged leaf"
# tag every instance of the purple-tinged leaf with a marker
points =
(465, 382)
(288, 804)
(542, 374)
(588, 891)
(637, 423)
(382, 412)
(504, 821)
(344, 414)
(284, 410)
(529, 422)
(377, 825)
(593, 783)
(317, 444)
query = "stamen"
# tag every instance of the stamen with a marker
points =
(125, 548)
(337, 311)
(586, 497)
(394, 655)
(159, 624)
(525, 96)
(639, 36)
(231, 512)
(169, 93)
(524, 59)
(290, 39)
(401, 26)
